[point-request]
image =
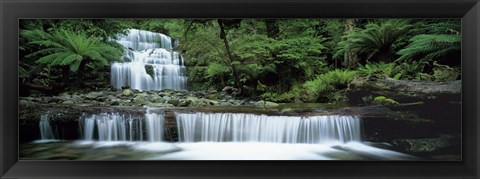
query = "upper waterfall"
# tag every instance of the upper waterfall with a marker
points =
(149, 63)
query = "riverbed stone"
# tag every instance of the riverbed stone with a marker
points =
(165, 105)
(167, 98)
(140, 99)
(424, 145)
(174, 101)
(68, 102)
(127, 92)
(93, 95)
(266, 104)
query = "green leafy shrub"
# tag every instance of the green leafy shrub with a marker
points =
(296, 93)
(324, 84)
(380, 69)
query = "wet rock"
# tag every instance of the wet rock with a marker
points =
(167, 98)
(402, 91)
(193, 101)
(174, 101)
(140, 99)
(127, 92)
(53, 100)
(266, 104)
(213, 96)
(68, 102)
(156, 99)
(160, 105)
(184, 103)
(424, 145)
(211, 102)
(230, 90)
(93, 95)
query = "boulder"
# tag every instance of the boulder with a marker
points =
(164, 105)
(68, 102)
(127, 92)
(363, 90)
(425, 144)
(140, 99)
(93, 95)
(266, 104)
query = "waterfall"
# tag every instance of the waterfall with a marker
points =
(45, 129)
(233, 127)
(149, 63)
(117, 127)
(154, 123)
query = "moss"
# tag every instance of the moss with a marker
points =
(384, 100)
(149, 69)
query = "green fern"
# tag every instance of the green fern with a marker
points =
(427, 47)
(375, 41)
(336, 79)
(66, 48)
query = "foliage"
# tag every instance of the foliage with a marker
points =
(441, 73)
(297, 93)
(427, 47)
(384, 100)
(380, 70)
(333, 80)
(66, 48)
(284, 60)
(376, 41)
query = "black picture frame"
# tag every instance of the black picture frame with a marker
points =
(12, 10)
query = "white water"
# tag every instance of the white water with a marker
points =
(117, 127)
(230, 136)
(144, 48)
(46, 133)
(240, 127)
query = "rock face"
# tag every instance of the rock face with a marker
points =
(362, 90)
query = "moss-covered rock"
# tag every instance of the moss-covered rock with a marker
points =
(403, 91)
(425, 145)
(127, 92)
(266, 104)
(384, 101)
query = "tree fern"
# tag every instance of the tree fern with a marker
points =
(426, 47)
(375, 42)
(65, 48)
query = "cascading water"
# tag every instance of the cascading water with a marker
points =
(149, 63)
(117, 127)
(45, 128)
(154, 124)
(239, 127)
(227, 136)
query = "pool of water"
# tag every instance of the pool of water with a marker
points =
(89, 150)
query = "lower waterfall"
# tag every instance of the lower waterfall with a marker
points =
(220, 136)
(240, 127)
(118, 127)
(45, 128)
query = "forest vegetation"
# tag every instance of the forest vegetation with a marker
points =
(279, 60)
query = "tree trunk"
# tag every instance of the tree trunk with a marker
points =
(272, 32)
(272, 28)
(65, 74)
(351, 57)
(223, 36)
